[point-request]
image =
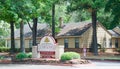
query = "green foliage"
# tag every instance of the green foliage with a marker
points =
(4, 49)
(2, 41)
(4, 31)
(113, 6)
(106, 19)
(69, 56)
(7, 11)
(86, 4)
(29, 55)
(17, 49)
(2, 57)
(21, 56)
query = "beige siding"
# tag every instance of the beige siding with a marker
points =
(17, 43)
(79, 42)
(71, 43)
(103, 37)
(60, 41)
(119, 43)
(86, 38)
(113, 42)
(26, 43)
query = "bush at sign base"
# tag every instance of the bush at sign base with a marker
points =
(29, 55)
(70, 55)
(21, 56)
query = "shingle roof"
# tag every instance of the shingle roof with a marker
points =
(114, 34)
(75, 29)
(42, 30)
(117, 29)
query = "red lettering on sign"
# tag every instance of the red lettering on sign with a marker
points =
(47, 54)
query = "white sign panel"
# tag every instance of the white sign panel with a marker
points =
(47, 44)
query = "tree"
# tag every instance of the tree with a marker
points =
(27, 10)
(22, 9)
(105, 18)
(22, 38)
(36, 11)
(53, 5)
(114, 7)
(53, 20)
(4, 32)
(7, 14)
(91, 6)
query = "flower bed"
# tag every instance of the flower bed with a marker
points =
(37, 61)
(5, 61)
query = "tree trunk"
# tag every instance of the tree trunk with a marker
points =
(94, 36)
(53, 20)
(12, 50)
(34, 31)
(22, 40)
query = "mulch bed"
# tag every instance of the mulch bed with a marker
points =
(46, 62)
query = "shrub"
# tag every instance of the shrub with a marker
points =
(29, 55)
(4, 49)
(69, 56)
(17, 49)
(21, 56)
(2, 57)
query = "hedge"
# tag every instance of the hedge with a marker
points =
(6, 49)
(69, 56)
(22, 55)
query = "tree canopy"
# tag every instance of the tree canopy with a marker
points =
(113, 6)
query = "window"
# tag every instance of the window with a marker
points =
(66, 42)
(76, 42)
(116, 43)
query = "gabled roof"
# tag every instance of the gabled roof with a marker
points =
(113, 33)
(75, 29)
(117, 30)
(42, 29)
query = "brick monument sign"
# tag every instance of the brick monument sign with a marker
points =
(47, 47)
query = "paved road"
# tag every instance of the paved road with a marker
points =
(96, 65)
(106, 63)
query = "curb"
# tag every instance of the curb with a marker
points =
(74, 65)
(95, 59)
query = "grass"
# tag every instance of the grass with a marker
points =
(104, 57)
